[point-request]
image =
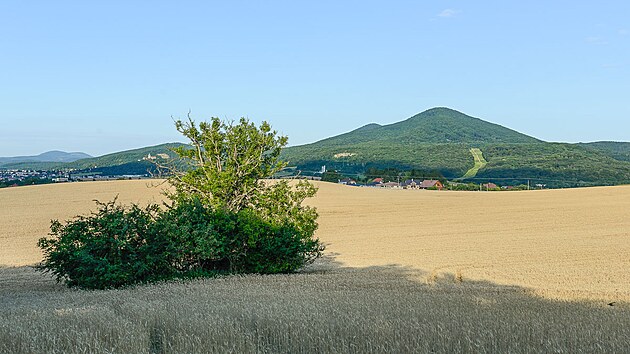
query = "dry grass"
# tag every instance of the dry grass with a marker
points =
(26, 212)
(333, 310)
(413, 271)
(570, 244)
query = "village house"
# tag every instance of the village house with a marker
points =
(410, 184)
(431, 183)
(490, 186)
(376, 182)
(390, 185)
(347, 181)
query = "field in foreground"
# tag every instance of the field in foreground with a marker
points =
(408, 271)
(327, 310)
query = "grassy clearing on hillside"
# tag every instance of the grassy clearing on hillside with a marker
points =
(327, 310)
(480, 163)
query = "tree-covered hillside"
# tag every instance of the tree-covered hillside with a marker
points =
(554, 164)
(124, 157)
(436, 139)
(452, 160)
(617, 150)
(441, 138)
(434, 126)
(125, 162)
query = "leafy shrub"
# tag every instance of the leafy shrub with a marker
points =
(208, 241)
(197, 238)
(269, 248)
(109, 248)
(119, 246)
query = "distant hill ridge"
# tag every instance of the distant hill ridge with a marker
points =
(50, 156)
(436, 126)
(440, 139)
(124, 162)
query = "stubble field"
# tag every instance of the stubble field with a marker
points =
(406, 271)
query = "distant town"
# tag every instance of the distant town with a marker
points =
(15, 178)
(23, 177)
(435, 184)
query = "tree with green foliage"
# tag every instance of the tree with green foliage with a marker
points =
(332, 176)
(229, 167)
(227, 162)
(225, 216)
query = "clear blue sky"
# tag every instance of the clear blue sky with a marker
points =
(105, 76)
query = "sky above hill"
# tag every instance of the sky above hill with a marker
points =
(106, 76)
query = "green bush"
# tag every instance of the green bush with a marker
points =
(119, 246)
(268, 248)
(207, 241)
(197, 238)
(106, 249)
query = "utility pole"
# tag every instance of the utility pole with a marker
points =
(527, 184)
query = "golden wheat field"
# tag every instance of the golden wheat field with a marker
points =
(25, 213)
(572, 243)
(405, 271)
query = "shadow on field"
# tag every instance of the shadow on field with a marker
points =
(326, 308)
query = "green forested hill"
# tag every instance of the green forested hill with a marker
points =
(437, 140)
(434, 126)
(617, 150)
(124, 157)
(125, 162)
(452, 160)
(441, 138)
(554, 164)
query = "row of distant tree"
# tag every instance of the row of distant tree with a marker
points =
(25, 182)
(387, 174)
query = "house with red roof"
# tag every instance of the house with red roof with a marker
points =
(490, 186)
